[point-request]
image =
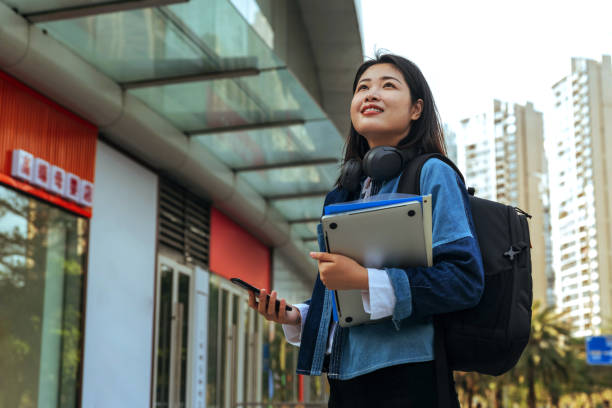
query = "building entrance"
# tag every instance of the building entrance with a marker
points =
(172, 341)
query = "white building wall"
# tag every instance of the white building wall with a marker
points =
(120, 284)
(578, 152)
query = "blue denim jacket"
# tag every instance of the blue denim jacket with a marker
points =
(454, 282)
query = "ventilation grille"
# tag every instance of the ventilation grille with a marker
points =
(184, 223)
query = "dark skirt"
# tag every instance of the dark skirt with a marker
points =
(405, 385)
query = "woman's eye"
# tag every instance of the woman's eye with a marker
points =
(389, 84)
(361, 87)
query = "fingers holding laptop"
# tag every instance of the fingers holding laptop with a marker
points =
(339, 272)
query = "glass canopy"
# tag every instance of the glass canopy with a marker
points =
(268, 97)
(37, 6)
(298, 209)
(292, 180)
(299, 143)
(253, 114)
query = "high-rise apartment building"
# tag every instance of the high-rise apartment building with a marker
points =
(501, 154)
(578, 142)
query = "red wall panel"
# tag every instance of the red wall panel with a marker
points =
(31, 122)
(234, 253)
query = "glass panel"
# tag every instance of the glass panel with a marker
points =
(183, 299)
(214, 309)
(304, 229)
(315, 139)
(131, 45)
(217, 347)
(164, 333)
(187, 38)
(280, 360)
(42, 259)
(270, 96)
(219, 27)
(300, 208)
(292, 180)
(312, 245)
(34, 6)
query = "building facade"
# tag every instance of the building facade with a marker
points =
(579, 149)
(501, 154)
(192, 142)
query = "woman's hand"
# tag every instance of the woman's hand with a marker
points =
(339, 272)
(267, 309)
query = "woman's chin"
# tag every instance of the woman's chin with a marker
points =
(377, 136)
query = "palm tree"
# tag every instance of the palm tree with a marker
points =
(544, 358)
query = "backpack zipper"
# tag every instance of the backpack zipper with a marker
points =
(522, 212)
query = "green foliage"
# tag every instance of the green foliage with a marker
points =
(553, 365)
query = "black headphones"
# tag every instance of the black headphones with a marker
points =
(381, 163)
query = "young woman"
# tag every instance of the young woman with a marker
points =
(389, 363)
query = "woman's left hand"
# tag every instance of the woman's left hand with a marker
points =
(339, 272)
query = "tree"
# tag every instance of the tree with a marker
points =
(544, 357)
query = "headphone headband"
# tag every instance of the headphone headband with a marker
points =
(381, 163)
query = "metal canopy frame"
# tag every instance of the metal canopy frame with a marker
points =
(292, 196)
(304, 220)
(275, 166)
(95, 9)
(208, 76)
(205, 76)
(244, 128)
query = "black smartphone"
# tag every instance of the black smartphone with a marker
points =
(253, 289)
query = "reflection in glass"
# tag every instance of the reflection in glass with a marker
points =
(292, 180)
(268, 97)
(164, 338)
(304, 230)
(280, 381)
(300, 208)
(313, 140)
(34, 6)
(183, 299)
(42, 258)
(184, 39)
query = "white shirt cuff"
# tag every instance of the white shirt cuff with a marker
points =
(379, 300)
(293, 333)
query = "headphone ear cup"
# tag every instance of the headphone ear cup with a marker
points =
(382, 163)
(350, 178)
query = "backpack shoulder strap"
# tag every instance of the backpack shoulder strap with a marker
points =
(410, 180)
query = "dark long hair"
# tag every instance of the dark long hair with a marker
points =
(425, 135)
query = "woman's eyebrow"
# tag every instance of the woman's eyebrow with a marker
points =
(390, 77)
(382, 78)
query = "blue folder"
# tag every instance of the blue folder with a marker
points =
(363, 204)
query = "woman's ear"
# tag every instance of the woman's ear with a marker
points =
(416, 110)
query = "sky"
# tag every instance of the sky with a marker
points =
(472, 52)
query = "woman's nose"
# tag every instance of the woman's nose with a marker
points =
(371, 96)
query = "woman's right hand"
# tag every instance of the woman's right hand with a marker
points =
(266, 309)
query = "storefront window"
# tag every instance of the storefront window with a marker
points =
(42, 262)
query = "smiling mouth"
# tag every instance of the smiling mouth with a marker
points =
(371, 109)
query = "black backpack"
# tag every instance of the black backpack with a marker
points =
(490, 337)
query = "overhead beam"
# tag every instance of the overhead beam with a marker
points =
(293, 196)
(274, 166)
(245, 128)
(87, 10)
(209, 76)
(304, 220)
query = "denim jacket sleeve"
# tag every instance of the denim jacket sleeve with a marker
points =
(456, 279)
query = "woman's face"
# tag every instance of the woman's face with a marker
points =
(382, 109)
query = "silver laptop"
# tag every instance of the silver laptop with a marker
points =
(396, 235)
